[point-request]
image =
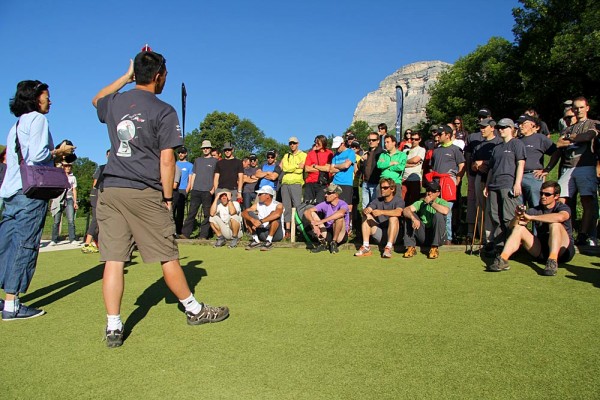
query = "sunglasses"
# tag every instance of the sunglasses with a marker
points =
(329, 193)
(372, 140)
(547, 194)
(291, 143)
(416, 139)
(385, 187)
(503, 127)
(270, 156)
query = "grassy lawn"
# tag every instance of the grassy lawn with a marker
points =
(312, 326)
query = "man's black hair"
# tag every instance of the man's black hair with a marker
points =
(146, 65)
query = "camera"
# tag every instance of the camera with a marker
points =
(520, 210)
(71, 157)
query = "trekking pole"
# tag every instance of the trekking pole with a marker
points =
(481, 228)
(474, 232)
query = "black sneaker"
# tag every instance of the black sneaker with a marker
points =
(551, 267)
(266, 246)
(333, 247)
(489, 250)
(321, 247)
(499, 265)
(1, 305)
(208, 314)
(22, 312)
(220, 242)
(114, 338)
(253, 245)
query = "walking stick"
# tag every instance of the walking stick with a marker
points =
(481, 229)
(474, 232)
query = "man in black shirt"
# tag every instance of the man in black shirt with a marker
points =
(554, 240)
(229, 173)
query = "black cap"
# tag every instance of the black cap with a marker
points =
(271, 153)
(252, 156)
(181, 149)
(484, 112)
(433, 186)
(443, 129)
(526, 117)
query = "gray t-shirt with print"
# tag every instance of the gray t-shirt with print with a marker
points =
(503, 164)
(536, 145)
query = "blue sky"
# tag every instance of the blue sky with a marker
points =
(293, 68)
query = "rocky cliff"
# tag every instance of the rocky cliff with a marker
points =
(415, 79)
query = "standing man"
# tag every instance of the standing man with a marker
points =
(536, 145)
(134, 206)
(381, 220)
(553, 242)
(185, 186)
(503, 187)
(269, 172)
(392, 161)
(578, 169)
(229, 173)
(292, 166)
(371, 174)
(250, 180)
(447, 161)
(202, 185)
(316, 166)
(413, 173)
(342, 168)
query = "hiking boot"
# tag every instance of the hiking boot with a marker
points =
(220, 242)
(489, 249)
(266, 246)
(114, 338)
(253, 245)
(411, 251)
(22, 312)
(89, 248)
(333, 247)
(498, 265)
(234, 242)
(208, 314)
(321, 247)
(551, 267)
(363, 252)
(387, 252)
(433, 253)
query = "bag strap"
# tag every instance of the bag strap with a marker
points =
(17, 143)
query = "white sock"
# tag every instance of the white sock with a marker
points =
(10, 305)
(269, 238)
(191, 304)
(114, 322)
(389, 244)
(366, 245)
(255, 238)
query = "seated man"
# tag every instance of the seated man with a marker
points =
(225, 220)
(381, 219)
(425, 222)
(263, 219)
(554, 239)
(330, 220)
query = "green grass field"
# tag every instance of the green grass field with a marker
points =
(312, 326)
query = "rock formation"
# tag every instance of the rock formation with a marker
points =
(415, 79)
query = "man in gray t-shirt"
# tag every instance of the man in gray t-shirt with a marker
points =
(135, 202)
(202, 192)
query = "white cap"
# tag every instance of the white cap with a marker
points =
(337, 142)
(266, 189)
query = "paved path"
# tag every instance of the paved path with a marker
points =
(64, 245)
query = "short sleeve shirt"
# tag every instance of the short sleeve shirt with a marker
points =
(228, 170)
(503, 164)
(542, 228)
(249, 187)
(536, 146)
(445, 160)
(344, 177)
(414, 173)
(204, 171)
(380, 204)
(140, 126)
(328, 209)
(426, 212)
(223, 211)
(186, 170)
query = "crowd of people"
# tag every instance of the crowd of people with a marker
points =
(378, 191)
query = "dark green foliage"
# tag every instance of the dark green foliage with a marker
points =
(361, 130)
(83, 169)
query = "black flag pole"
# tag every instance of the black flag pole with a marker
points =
(183, 101)
(399, 111)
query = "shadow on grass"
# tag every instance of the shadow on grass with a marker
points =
(67, 286)
(158, 291)
(585, 274)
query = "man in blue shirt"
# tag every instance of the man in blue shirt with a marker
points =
(180, 197)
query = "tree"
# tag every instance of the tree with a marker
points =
(486, 77)
(558, 43)
(361, 130)
(83, 169)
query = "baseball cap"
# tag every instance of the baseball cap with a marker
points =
(506, 122)
(181, 149)
(524, 118)
(293, 139)
(271, 153)
(484, 112)
(350, 136)
(266, 189)
(487, 122)
(443, 129)
(206, 144)
(433, 129)
(227, 146)
(252, 156)
(333, 188)
(337, 142)
(433, 186)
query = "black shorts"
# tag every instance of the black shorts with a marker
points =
(566, 255)
(346, 194)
